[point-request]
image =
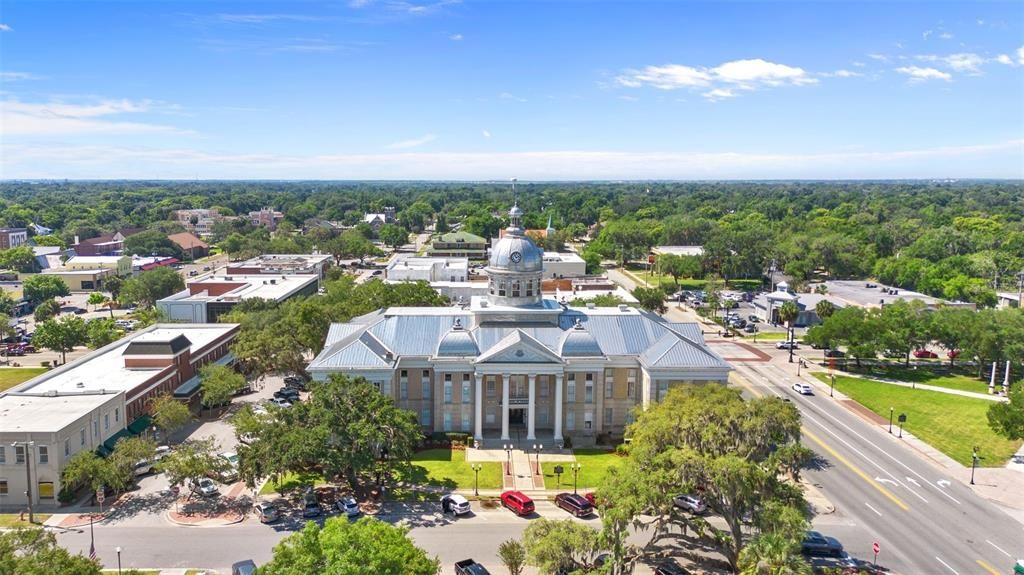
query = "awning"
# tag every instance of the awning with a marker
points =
(140, 425)
(108, 446)
(187, 389)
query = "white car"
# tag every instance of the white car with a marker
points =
(690, 503)
(281, 402)
(802, 389)
(455, 504)
(206, 487)
(145, 466)
(231, 473)
(349, 506)
(787, 345)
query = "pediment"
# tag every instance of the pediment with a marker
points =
(517, 347)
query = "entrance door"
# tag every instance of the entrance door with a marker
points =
(516, 416)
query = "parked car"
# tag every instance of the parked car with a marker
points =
(206, 487)
(470, 567)
(311, 505)
(348, 505)
(925, 354)
(575, 504)
(280, 402)
(834, 353)
(803, 388)
(815, 543)
(751, 328)
(230, 474)
(455, 504)
(953, 353)
(266, 512)
(516, 502)
(690, 504)
(146, 466)
(246, 567)
(670, 567)
(787, 345)
(291, 395)
(295, 382)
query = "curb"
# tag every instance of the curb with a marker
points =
(222, 522)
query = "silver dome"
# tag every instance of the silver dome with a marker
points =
(458, 342)
(578, 342)
(530, 257)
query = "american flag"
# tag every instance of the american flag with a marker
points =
(92, 551)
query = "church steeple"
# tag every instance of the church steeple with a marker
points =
(550, 231)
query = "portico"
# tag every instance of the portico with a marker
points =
(519, 398)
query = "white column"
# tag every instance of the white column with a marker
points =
(558, 407)
(531, 409)
(478, 400)
(504, 407)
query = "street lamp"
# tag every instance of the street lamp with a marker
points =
(537, 449)
(974, 462)
(508, 459)
(575, 475)
(476, 480)
(832, 385)
(26, 445)
(890, 420)
(118, 549)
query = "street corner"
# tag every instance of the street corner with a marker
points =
(210, 512)
(820, 504)
(75, 520)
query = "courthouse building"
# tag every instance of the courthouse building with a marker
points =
(513, 364)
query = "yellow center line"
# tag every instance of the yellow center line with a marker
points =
(881, 489)
(987, 567)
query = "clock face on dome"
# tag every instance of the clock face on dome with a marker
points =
(516, 257)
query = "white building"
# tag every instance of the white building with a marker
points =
(513, 360)
(564, 265)
(678, 250)
(206, 299)
(428, 269)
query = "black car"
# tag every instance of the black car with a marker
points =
(670, 567)
(246, 567)
(575, 504)
(470, 567)
(834, 353)
(815, 543)
(291, 395)
(295, 382)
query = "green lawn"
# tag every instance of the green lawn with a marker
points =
(963, 382)
(951, 423)
(448, 468)
(10, 520)
(767, 336)
(594, 464)
(11, 376)
(290, 481)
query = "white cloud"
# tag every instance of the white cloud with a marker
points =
(946, 36)
(413, 143)
(264, 18)
(15, 76)
(879, 57)
(858, 64)
(842, 74)
(510, 96)
(1020, 55)
(981, 22)
(963, 62)
(485, 134)
(926, 33)
(998, 159)
(57, 117)
(5, 28)
(921, 74)
(629, 98)
(668, 77)
(750, 73)
(1004, 59)
(455, 37)
(719, 94)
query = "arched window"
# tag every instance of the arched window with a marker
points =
(529, 288)
(515, 288)
(501, 287)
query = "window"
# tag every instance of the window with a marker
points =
(608, 413)
(588, 389)
(543, 384)
(465, 422)
(3, 487)
(489, 417)
(404, 374)
(570, 420)
(662, 389)
(501, 288)
(465, 388)
(3, 454)
(529, 287)
(570, 391)
(19, 454)
(117, 414)
(631, 389)
(82, 435)
(44, 454)
(588, 420)
(403, 389)
(491, 387)
(448, 388)
(608, 383)
(426, 374)
(106, 422)
(96, 429)
(515, 288)
(425, 388)
(425, 420)
(447, 421)
(67, 447)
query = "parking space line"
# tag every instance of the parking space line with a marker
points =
(947, 565)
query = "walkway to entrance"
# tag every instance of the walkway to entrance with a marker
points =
(519, 461)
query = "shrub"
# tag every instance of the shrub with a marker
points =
(566, 442)
(45, 364)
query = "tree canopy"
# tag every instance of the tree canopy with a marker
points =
(149, 286)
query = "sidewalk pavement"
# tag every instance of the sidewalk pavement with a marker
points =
(971, 394)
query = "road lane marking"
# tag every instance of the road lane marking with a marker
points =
(947, 565)
(883, 480)
(944, 483)
(998, 548)
(987, 567)
(873, 509)
(881, 488)
(914, 481)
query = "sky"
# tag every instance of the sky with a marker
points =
(490, 90)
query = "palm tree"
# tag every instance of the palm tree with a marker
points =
(512, 555)
(772, 554)
(825, 309)
(788, 313)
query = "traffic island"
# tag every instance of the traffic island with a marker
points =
(205, 518)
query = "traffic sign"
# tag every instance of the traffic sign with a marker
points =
(876, 548)
(100, 496)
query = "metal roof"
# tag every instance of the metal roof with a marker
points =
(457, 343)
(577, 342)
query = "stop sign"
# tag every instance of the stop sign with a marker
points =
(876, 548)
(100, 495)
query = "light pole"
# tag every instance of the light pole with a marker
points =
(25, 446)
(537, 449)
(118, 549)
(832, 386)
(508, 459)
(476, 480)
(890, 420)
(974, 462)
(799, 364)
(575, 475)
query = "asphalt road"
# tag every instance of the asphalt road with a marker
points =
(924, 520)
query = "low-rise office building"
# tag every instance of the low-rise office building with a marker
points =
(83, 280)
(204, 300)
(459, 245)
(428, 270)
(283, 264)
(13, 237)
(119, 265)
(91, 402)
(564, 265)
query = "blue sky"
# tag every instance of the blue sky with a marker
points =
(393, 89)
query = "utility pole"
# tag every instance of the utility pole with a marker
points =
(25, 445)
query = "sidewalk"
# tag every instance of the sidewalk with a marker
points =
(948, 390)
